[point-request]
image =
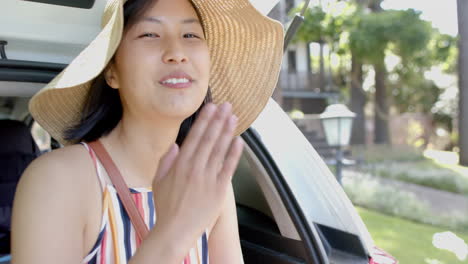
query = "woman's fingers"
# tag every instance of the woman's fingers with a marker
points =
(206, 145)
(218, 154)
(166, 162)
(197, 131)
(231, 161)
(211, 137)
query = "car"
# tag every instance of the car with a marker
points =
(290, 207)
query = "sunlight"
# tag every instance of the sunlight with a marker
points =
(444, 157)
(451, 242)
(433, 261)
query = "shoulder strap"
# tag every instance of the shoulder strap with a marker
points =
(102, 177)
(121, 187)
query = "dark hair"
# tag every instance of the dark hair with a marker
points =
(102, 110)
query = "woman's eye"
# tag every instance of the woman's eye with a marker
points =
(190, 35)
(149, 35)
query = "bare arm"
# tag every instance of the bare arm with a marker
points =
(47, 220)
(224, 242)
(49, 212)
(48, 215)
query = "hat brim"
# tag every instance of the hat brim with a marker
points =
(246, 53)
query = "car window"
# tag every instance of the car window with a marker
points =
(316, 190)
(41, 137)
(16, 108)
(253, 188)
(266, 230)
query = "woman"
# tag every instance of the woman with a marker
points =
(142, 90)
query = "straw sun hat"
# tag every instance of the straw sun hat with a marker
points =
(245, 49)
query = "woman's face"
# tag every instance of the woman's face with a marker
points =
(162, 64)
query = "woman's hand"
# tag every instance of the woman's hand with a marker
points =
(191, 182)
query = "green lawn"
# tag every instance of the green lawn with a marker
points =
(409, 242)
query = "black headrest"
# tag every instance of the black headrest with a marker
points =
(15, 137)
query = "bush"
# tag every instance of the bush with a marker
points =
(384, 153)
(367, 192)
(424, 173)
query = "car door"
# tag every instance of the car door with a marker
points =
(290, 207)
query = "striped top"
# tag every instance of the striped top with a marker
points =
(117, 240)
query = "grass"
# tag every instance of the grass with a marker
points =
(407, 241)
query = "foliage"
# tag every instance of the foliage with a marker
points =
(324, 27)
(423, 173)
(445, 51)
(402, 30)
(412, 92)
(366, 191)
(409, 165)
(370, 37)
(313, 27)
(382, 153)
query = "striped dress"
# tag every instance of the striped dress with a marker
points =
(117, 240)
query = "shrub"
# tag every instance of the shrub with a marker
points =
(365, 191)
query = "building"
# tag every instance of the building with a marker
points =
(300, 86)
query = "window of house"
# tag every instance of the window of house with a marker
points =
(292, 63)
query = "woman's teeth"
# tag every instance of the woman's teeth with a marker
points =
(176, 81)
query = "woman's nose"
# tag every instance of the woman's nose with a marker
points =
(174, 54)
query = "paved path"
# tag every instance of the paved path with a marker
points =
(440, 202)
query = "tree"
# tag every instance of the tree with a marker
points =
(403, 33)
(412, 91)
(357, 93)
(463, 80)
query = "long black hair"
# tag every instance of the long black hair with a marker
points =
(102, 110)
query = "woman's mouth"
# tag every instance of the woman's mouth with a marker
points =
(177, 80)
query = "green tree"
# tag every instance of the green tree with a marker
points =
(411, 90)
(402, 32)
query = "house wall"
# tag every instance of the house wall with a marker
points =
(301, 57)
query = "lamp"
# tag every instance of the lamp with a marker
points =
(337, 121)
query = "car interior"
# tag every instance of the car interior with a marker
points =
(267, 230)
(267, 233)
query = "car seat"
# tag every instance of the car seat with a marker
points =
(17, 150)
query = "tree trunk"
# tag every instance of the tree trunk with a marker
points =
(322, 69)
(375, 5)
(330, 72)
(310, 83)
(463, 80)
(381, 109)
(358, 102)
(381, 105)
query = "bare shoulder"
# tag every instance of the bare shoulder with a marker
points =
(69, 157)
(49, 207)
(62, 174)
(60, 168)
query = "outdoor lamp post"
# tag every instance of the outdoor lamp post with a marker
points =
(337, 122)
